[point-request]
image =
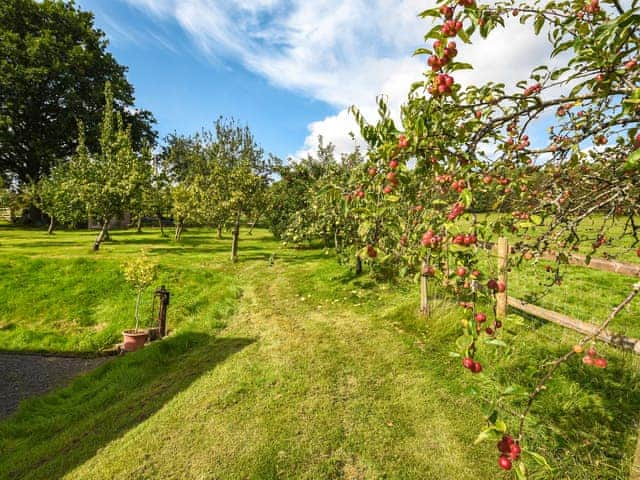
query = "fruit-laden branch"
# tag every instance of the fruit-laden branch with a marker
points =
(537, 108)
(558, 362)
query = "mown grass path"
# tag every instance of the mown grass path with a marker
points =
(321, 393)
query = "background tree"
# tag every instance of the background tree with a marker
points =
(245, 174)
(53, 69)
(158, 196)
(107, 182)
(56, 196)
(219, 177)
(143, 174)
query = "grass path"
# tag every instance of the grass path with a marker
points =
(322, 393)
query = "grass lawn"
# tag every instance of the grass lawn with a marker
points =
(282, 365)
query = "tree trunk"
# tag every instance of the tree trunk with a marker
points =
(253, 225)
(178, 231)
(138, 309)
(104, 232)
(236, 237)
(139, 224)
(219, 231)
(160, 224)
(52, 225)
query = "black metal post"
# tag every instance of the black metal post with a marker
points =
(164, 296)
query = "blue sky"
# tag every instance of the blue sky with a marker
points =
(188, 90)
(290, 69)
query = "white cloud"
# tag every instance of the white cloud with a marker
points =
(343, 52)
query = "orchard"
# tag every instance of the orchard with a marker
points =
(477, 185)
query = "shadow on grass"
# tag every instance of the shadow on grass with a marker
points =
(51, 435)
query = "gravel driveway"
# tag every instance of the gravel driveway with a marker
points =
(23, 376)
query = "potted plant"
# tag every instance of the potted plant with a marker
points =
(140, 273)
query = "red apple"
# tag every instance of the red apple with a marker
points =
(600, 362)
(515, 451)
(504, 462)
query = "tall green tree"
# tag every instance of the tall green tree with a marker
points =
(245, 175)
(108, 182)
(54, 65)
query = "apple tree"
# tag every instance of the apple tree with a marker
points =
(461, 148)
(106, 182)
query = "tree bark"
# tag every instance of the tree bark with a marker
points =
(52, 225)
(104, 233)
(178, 231)
(236, 237)
(253, 225)
(139, 224)
(219, 232)
(160, 224)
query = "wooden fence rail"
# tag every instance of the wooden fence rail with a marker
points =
(603, 264)
(579, 326)
(628, 269)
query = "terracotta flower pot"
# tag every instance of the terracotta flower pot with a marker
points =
(134, 340)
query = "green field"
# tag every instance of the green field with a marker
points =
(283, 365)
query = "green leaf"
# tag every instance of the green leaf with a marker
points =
(495, 342)
(514, 390)
(488, 434)
(466, 197)
(536, 219)
(431, 12)
(521, 471)
(460, 66)
(633, 161)
(463, 342)
(538, 458)
(422, 51)
(514, 320)
(538, 24)
(464, 36)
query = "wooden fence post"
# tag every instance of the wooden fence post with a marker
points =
(503, 265)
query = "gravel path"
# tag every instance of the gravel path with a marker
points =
(23, 376)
